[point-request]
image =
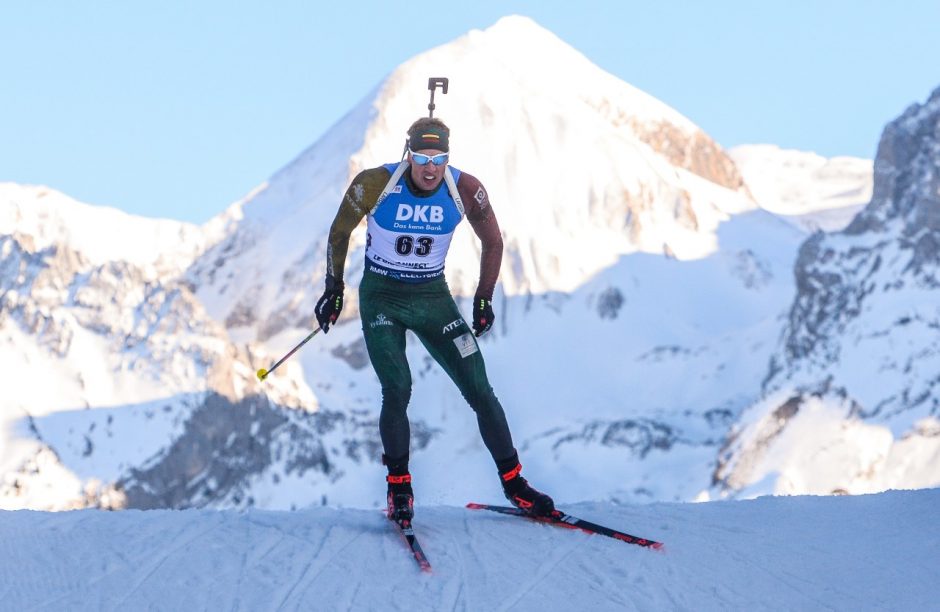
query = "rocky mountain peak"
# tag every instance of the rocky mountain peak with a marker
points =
(907, 173)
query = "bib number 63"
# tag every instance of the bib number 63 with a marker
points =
(420, 246)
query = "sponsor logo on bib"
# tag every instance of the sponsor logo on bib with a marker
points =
(420, 213)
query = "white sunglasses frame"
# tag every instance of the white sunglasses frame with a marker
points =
(431, 158)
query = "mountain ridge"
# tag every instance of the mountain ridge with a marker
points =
(639, 324)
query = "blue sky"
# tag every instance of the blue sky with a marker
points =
(177, 109)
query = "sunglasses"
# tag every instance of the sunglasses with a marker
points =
(421, 159)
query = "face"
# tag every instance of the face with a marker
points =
(428, 176)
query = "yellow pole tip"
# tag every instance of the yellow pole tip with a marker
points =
(262, 374)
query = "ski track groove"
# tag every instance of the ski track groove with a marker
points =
(306, 582)
(279, 529)
(607, 553)
(544, 570)
(457, 599)
(461, 565)
(610, 587)
(779, 577)
(262, 555)
(158, 564)
(243, 564)
(352, 597)
(51, 535)
(99, 578)
(474, 530)
(469, 522)
(127, 563)
(313, 557)
(130, 566)
(328, 561)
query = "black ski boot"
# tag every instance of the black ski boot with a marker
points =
(519, 492)
(401, 498)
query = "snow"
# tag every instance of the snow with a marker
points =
(810, 191)
(705, 275)
(100, 233)
(870, 552)
(700, 274)
(273, 262)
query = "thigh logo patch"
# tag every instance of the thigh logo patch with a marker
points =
(466, 344)
(380, 320)
(452, 326)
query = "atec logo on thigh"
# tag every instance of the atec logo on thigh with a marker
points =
(452, 326)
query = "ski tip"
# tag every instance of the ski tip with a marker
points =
(475, 506)
(658, 546)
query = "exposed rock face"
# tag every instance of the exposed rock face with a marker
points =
(609, 303)
(860, 344)
(697, 153)
(637, 436)
(612, 206)
(907, 178)
(226, 445)
(891, 248)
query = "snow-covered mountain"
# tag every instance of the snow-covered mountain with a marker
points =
(640, 268)
(596, 165)
(110, 361)
(629, 186)
(806, 189)
(872, 552)
(852, 399)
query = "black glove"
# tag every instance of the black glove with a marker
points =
(483, 316)
(330, 304)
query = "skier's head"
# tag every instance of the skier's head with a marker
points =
(428, 151)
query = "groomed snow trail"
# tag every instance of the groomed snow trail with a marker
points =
(846, 553)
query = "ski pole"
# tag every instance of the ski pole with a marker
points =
(262, 373)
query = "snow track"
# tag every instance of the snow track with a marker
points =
(869, 552)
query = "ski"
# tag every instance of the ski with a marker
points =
(561, 519)
(408, 532)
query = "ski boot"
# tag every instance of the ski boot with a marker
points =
(520, 493)
(401, 499)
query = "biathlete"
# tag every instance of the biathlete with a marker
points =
(412, 210)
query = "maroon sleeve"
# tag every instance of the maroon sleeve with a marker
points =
(480, 214)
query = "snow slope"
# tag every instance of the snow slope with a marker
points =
(105, 352)
(642, 302)
(103, 234)
(644, 178)
(852, 398)
(875, 552)
(655, 219)
(810, 191)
